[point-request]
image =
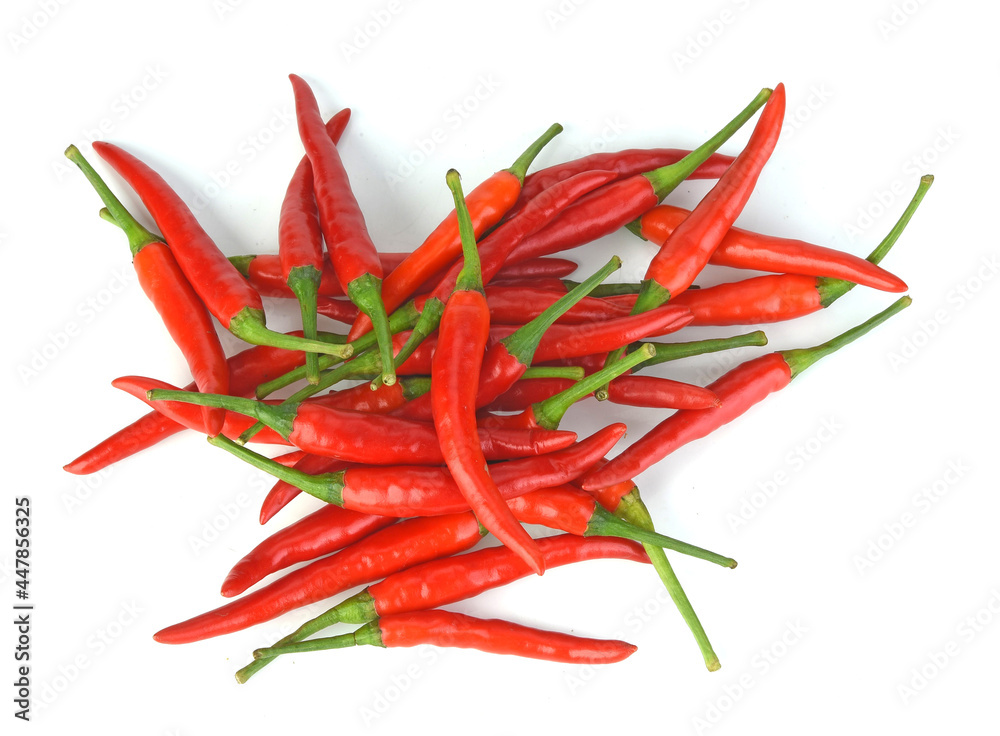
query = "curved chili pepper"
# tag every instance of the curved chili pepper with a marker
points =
(352, 252)
(369, 559)
(457, 360)
(739, 389)
(495, 248)
(748, 250)
(487, 204)
(452, 579)
(430, 491)
(183, 313)
(221, 287)
(624, 163)
(620, 202)
(324, 531)
(365, 438)
(446, 629)
(534, 268)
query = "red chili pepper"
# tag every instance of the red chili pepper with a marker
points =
(624, 163)
(739, 389)
(221, 287)
(282, 493)
(517, 305)
(367, 560)
(620, 202)
(364, 438)
(340, 310)
(352, 252)
(322, 532)
(487, 204)
(446, 629)
(534, 268)
(431, 491)
(183, 314)
(748, 250)
(495, 248)
(300, 241)
(462, 337)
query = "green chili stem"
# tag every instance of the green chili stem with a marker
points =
(666, 351)
(428, 321)
(315, 645)
(358, 609)
(619, 289)
(279, 418)
(304, 283)
(572, 372)
(800, 359)
(366, 293)
(138, 236)
(470, 278)
(667, 178)
(248, 325)
(830, 290)
(520, 166)
(633, 510)
(522, 343)
(550, 412)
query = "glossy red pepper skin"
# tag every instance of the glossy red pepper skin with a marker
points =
(379, 554)
(264, 273)
(445, 629)
(352, 252)
(322, 532)
(684, 254)
(462, 335)
(528, 391)
(340, 310)
(453, 579)
(425, 491)
(623, 163)
(748, 250)
(653, 392)
(300, 240)
(754, 301)
(516, 305)
(220, 286)
(555, 268)
(739, 389)
(562, 507)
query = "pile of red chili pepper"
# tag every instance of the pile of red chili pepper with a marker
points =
(432, 418)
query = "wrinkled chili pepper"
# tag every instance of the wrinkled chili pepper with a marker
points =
(739, 389)
(352, 252)
(222, 288)
(446, 629)
(183, 314)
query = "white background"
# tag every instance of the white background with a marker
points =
(811, 639)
